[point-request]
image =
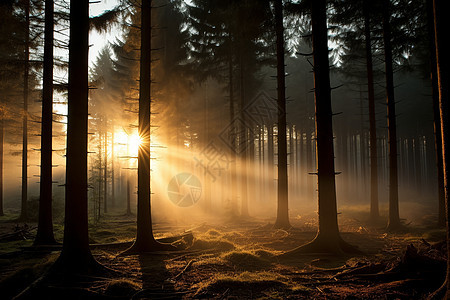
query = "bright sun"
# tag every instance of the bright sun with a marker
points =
(128, 141)
(134, 143)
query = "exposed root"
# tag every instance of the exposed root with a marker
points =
(285, 225)
(440, 293)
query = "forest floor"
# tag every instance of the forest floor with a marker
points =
(236, 259)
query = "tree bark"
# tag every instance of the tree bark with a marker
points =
(45, 223)
(113, 179)
(24, 206)
(436, 114)
(128, 177)
(145, 241)
(282, 220)
(328, 239)
(328, 225)
(374, 210)
(394, 218)
(232, 135)
(76, 256)
(105, 171)
(244, 142)
(1, 158)
(442, 24)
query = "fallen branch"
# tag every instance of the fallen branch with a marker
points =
(189, 264)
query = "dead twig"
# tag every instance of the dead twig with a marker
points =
(189, 264)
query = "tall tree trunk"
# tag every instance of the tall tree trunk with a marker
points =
(45, 223)
(282, 220)
(309, 165)
(145, 241)
(207, 186)
(394, 218)
(1, 158)
(298, 161)
(76, 256)
(260, 187)
(374, 210)
(436, 116)
(105, 172)
(328, 226)
(442, 23)
(24, 206)
(232, 136)
(128, 177)
(244, 142)
(328, 239)
(113, 179)
(270, 161)
(100, 177)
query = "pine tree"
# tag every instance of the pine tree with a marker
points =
(44, 234)
(282, 220)
(328, 239)
(76, 256)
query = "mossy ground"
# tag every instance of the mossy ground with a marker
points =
(228, 260)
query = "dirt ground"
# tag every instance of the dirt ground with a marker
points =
(231, 259)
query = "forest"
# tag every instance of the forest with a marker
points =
(224, 149)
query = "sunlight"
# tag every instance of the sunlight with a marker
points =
(134, 142)
(128, 141)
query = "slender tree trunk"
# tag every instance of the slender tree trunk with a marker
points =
(442, 23)
(394, 218)
(417, 165)
(298, 161)
(113, 179)
(309, 165)
(76, 256)
(282, 220)
(145, 241)
(105, 172)
(1, 158)
(24, 206)
(128, 177)
(260, 187)
(207, 187)
(374, 210)
(270, 161)
(232, 136)
(251, 165)
(45, 223)
(328, 239)
(243, 141)
(328, 226)
(100, 177)
(263, 183)
(436, 114)
(144, 238)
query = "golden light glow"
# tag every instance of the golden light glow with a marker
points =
(134, 142)
(128, 142)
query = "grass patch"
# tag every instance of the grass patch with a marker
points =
(216, 244)
(7, 247)
(250, 284)
(213, 233)
(246, 261)
(17, 281)
(122, 288)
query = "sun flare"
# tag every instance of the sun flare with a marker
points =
(129, 142)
